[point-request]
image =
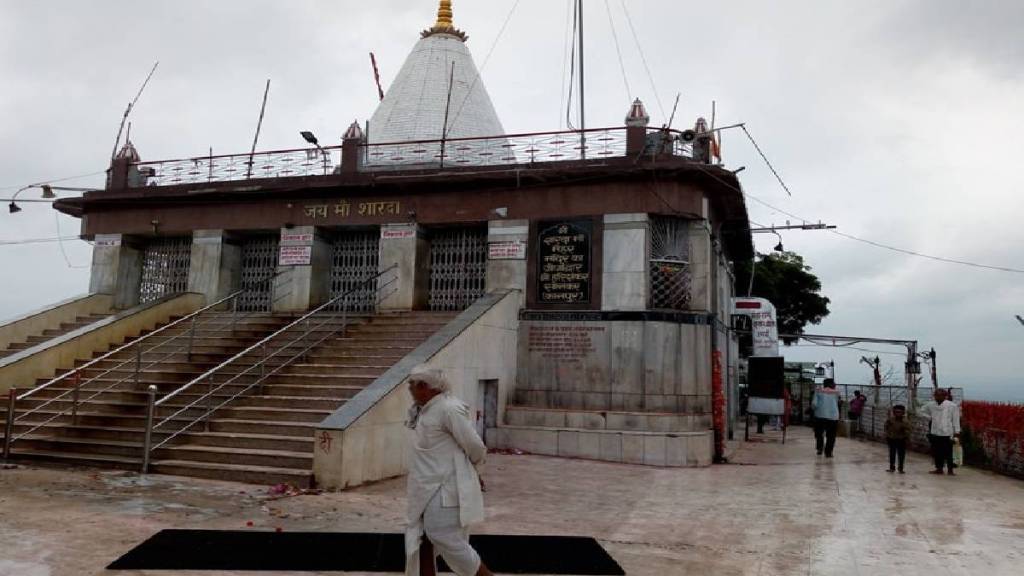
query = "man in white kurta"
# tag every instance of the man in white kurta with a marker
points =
(444, 489)
(943, 429)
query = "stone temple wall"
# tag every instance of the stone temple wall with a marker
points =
(642, 366)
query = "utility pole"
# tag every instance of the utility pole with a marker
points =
(913, 368)
(929, 358)
(583, 89)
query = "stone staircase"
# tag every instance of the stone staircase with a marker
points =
(48, 335)
(264, 436)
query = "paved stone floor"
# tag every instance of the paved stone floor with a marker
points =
(775, 510)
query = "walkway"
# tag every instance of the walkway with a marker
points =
(775, 510)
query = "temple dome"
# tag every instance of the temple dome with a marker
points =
(414, 106)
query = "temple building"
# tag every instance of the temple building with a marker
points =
(254, 316)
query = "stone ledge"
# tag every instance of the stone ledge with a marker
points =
(671, 450)
(611, 420)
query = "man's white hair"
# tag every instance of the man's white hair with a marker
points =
(432, 377)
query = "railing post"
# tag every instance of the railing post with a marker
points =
(12, 399)
(191, 337)
(209, 405)
(138, 363)
(263, 366)
(75, 395)
(234, 313)
(148, 443)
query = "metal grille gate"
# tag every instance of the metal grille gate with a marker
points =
(165, 264)
(259, 264)
(458, 267)
(670, 263)
(356, 257)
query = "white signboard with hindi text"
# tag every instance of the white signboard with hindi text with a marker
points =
(763, 324)
(295, 256)
(386, 234)
(513, 250)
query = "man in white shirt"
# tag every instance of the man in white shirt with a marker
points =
(444, 490)
(943, 427)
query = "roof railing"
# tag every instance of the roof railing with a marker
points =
(594, 144)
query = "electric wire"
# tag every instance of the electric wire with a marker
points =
(60, 242)
(54, 181)
(572, 65)
(848, 347)
(487, 60)
(618, 50)
(36, 240)
(765, 158)
(864, 240)
(565, 63)
(643, 58)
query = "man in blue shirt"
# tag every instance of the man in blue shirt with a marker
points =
(826, 417)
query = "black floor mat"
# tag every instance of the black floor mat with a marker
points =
(342, 552)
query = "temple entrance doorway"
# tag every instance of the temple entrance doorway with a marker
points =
(355, 257)
(165, 266)
(458, 267)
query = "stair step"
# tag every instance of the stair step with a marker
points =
(80, 458)
(277, 414)
(135, 436)
(266, 437)
(307, 402)
(232, 440)
(239, 456)
(86, 446)
(321, 379)
(319, 391)
(274, 427)
(363, 369)
(234, 472)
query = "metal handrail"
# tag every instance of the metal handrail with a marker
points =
(123, 348)
(148, 448)
(75, 391)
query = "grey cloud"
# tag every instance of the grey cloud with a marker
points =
(866, 108)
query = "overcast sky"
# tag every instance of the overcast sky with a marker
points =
(899, 121)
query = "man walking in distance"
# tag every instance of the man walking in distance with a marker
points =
(444, 490)
(944, 425)
(826, 417)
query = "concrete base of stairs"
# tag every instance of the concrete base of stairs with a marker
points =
(669, 449)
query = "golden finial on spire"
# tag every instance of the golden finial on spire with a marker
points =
(444, 24)
(444, 15)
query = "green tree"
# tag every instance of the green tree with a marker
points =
(787, 282)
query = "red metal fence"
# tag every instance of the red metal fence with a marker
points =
(993, 436)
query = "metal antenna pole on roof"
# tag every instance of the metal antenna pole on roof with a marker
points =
(259, 125)
(128, 110)
(583, 107)
(447, 108)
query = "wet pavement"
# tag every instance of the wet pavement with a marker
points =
(775, 509)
